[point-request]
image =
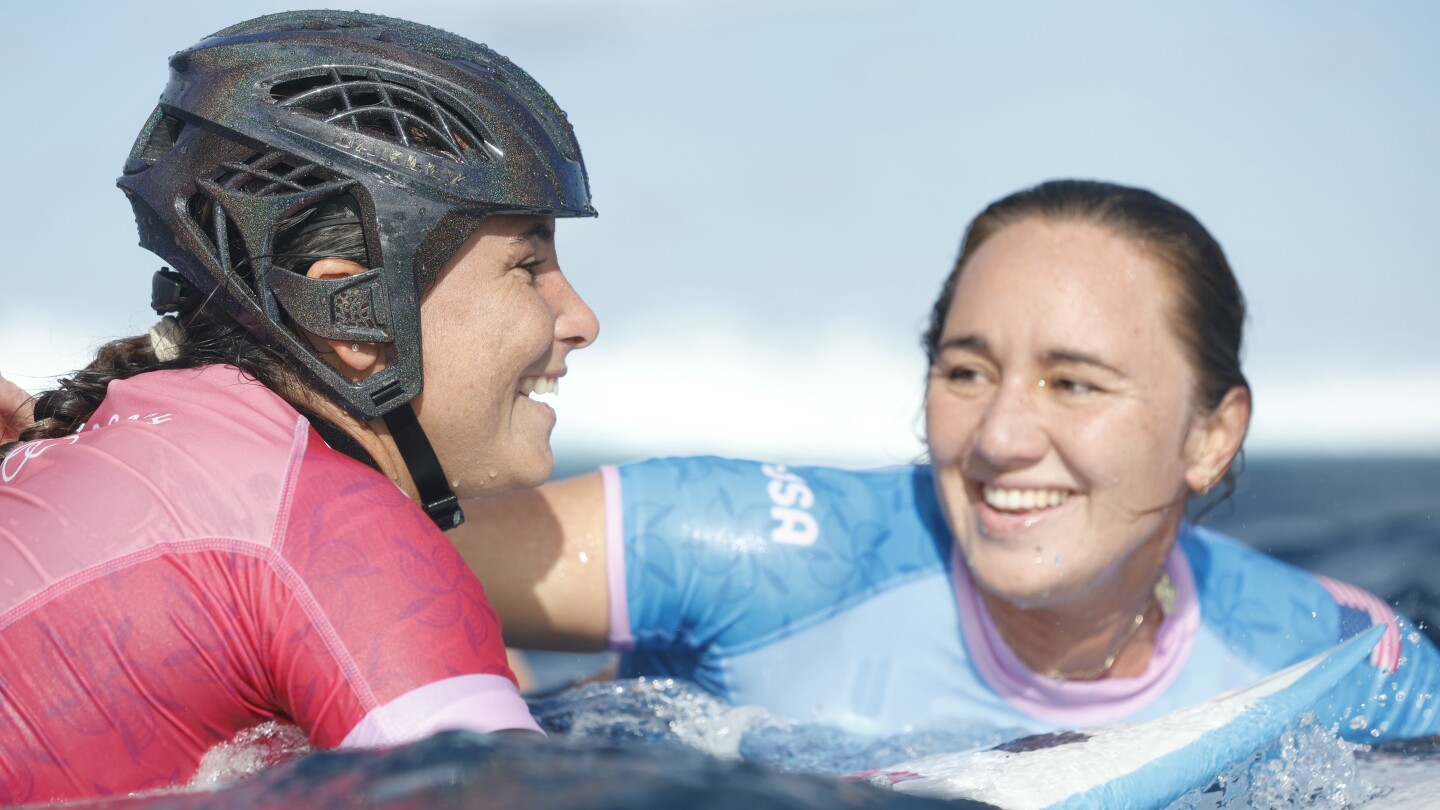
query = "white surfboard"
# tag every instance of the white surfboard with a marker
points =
(1138, 765)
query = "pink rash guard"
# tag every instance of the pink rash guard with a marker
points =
(196, 561)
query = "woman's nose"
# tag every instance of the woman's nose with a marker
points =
(575, 323)
(1011, 434)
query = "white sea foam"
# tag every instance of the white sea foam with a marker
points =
(1308, 766)
(685, 384)
(250, 752)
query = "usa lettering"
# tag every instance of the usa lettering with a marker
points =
(791, 501)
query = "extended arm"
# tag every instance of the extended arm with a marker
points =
(541, 555)
(16, 408)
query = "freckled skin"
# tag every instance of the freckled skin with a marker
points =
(501, 309)
(1120, 437)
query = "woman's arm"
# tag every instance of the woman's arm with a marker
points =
(541, 555)
(16, 408)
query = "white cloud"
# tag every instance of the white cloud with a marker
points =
(828, 397)
(36, 348)
(832, 395)
(1359, 413)
(837, 396)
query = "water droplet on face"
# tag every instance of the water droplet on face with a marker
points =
(494, 474)
(584, 556)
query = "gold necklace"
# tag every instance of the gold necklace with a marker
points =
(1162, 596)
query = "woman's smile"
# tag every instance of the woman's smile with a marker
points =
(1006, 511)
(543, 385)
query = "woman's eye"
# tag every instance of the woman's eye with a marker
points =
(963, 374)
(1070, 385)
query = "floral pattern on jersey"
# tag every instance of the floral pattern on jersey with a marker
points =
(397, 594)
(700, 550)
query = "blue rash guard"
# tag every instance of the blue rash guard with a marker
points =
(835, 596)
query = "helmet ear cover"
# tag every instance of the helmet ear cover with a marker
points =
(349, 308)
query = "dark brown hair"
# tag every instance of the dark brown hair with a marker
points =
(1210, 314)
(211, 336)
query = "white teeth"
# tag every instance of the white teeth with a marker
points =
(1014, 500)
(540, 385)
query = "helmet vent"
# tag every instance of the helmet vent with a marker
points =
(262, 175)
(271, 173)
(382, 107)
(156, 140)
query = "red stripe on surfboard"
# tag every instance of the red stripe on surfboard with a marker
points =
(1386, 654)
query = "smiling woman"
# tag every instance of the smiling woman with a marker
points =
(507, 305)
(237, 518)
(1058, 372)
(1084, 382)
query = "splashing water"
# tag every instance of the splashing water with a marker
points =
(1308, 766)
(661, 732)
(662, 710)
(649, 710)
(252, 750)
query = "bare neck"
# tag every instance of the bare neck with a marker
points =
(374, 436)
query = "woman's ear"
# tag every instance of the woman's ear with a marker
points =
(1216, 438)
(356, 360)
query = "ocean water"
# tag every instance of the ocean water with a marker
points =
(658, 743)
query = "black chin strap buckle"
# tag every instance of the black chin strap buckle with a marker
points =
(446, 512)
(435, 496)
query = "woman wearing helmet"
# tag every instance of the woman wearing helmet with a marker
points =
(238, 517)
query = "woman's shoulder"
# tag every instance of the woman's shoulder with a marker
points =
(1273, 612)
(811, 534)
(1209, 550)
(223, 390)
(1228, 570)
(803, 506)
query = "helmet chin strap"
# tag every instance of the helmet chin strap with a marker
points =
(436, 497)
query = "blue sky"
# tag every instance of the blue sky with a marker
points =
(782, 187)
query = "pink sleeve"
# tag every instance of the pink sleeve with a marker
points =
(402, 621)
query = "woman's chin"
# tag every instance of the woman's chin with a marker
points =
(1027, 586)
(537, 469)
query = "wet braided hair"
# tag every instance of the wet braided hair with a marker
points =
(210, 335)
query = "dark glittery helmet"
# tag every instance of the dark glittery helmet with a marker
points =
(426, 131)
